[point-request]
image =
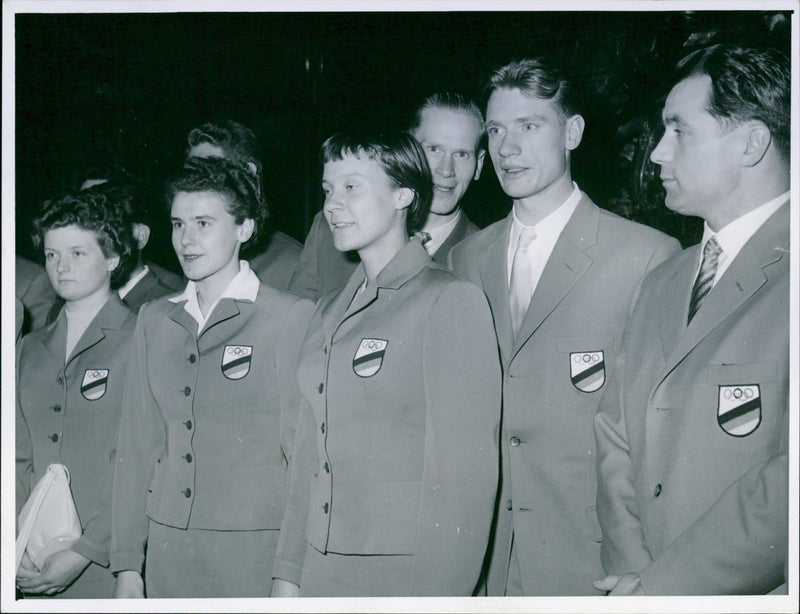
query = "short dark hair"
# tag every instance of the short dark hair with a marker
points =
(240, 189)
(237, 142)
(452, 101)
(539, 77)
(129, 192)
(99, 212)
(399, 155)
(746, 84)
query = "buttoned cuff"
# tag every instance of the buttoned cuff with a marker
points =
(91, 550)
(283, 569)
(127, 561)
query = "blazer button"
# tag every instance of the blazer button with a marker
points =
(60, 379)
(188, 458)
(192, 358)
(509, 507)
(326, 467)
(322, 428)
(320, 388)
(657, 490)
(187, 493)
(325, 350)
(514, 441)
(187, 391)
(188, 425)
(325, 507)
(54, 437)
(56, 408)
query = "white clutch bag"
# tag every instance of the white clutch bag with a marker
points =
(48, 522)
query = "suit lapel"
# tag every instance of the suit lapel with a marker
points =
(111, 317)
(213, 332)
(674, 303)
(567, 264)
(493, 270)
(140, 293)
(460, 232)
(55, 338)
(744, 277)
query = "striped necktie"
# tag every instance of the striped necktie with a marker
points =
(705, 278)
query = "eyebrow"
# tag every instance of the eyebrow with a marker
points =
(673, 119)
(196, 217)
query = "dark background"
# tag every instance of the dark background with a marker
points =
(127, 88)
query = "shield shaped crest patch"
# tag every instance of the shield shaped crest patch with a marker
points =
(94, 384)
(739, 409)
(369, 357)
(587, 370)
(236, 361)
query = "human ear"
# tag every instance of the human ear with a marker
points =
(757, 144)
(403, 198)
(141, 232)
(112, 263)
(246, 229)
(574, 131)
(479, 165)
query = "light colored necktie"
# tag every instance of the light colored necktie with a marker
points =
(705, 278)
(520, 289)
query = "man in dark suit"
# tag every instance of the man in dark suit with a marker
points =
(560, 274)
(693, 432)
(450, 128)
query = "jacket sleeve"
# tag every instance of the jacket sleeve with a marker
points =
(622, 549)
(287, 355)
(461, 463)
(140, 439)
(305, 281)
(292, 542)
(24, 446)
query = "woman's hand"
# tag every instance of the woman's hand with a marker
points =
(129, 585)
(58, 572)
(283, 588)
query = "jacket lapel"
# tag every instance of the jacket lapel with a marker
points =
(459, 233)
(567, 264)
(140, 293)
(213, 332)
(674, 304)
(110, 317)
(745, 276)
(493, 270)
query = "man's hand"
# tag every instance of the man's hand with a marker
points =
(129, 585)
(283, 588)
(626, 584)
(58, 572)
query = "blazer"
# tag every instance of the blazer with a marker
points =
(68, 413)
(207, 421)
(149, 288)
(276, 264)
(463, 228)
(693, 432)
(397, 438)
(33, 288)
(553, 377)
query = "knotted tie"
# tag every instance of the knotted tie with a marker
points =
(520, 289)
(705, 278)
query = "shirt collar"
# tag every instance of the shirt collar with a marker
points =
(553, 224)
(733, 237)
(131, 283)
(440, 233)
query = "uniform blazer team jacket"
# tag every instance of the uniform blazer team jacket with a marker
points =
(693, 433)
(552, 382)
(398, 435)
(322, 268)
(276, 265)
(35, 292)
(69, 414)
(208, 421)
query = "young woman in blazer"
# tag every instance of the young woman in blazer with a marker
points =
(395, 473)
(210, 406)
(70, 377)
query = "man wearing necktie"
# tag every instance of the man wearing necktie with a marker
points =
(693, 431)
(560, 274)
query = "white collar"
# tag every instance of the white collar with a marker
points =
(131, 283)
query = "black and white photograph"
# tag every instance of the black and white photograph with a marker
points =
(397, 306)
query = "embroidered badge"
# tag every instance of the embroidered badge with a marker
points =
(739, 409)
(587, 370)
(236, 361)
(369, 357)
(94, 384)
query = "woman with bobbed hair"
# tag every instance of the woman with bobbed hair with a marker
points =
(209, 408)
(393, 482)
(70, 377)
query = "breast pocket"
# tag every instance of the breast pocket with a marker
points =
(585, 359)
(739, 391)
